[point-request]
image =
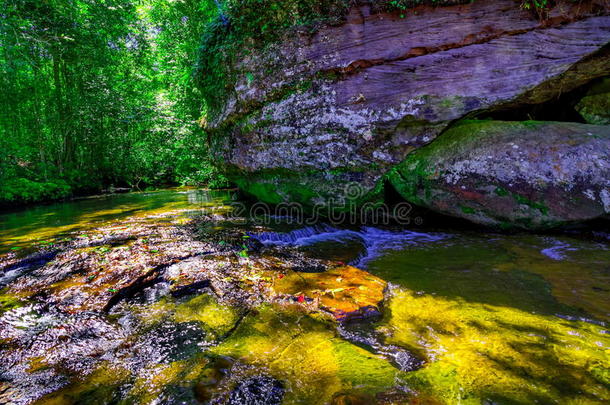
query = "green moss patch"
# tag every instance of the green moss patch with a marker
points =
(483, 353)
(308, 356)
(8, 302)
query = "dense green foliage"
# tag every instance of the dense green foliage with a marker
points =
(246, 24)
(406, 4)
(98, 93)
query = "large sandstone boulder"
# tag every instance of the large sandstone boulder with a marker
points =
(530, 174)
(314, 113)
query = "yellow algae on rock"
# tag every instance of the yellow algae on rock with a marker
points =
(307, 356)
(346, 292)
(478, 352)
(151, 382)
(8, 301)
(205, 309)
(214, 317)
(99, 387)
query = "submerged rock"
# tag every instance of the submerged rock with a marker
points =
(261, 390)
(346, 292)
(528, 174)
(307, 355)
(352, 399)
(211, 377)
(481, 353)
(315, 114)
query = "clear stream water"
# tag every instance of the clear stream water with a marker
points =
(468, 317)
(22, 228)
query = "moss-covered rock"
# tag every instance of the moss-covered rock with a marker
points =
(595, 106)
(334, 190)
(307, 356)
(523, 174)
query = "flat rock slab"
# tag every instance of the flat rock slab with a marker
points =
(346, 292)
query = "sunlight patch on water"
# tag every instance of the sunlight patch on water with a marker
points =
(486, 353)
(25, 228)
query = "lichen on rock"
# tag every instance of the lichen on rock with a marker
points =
(527, 174)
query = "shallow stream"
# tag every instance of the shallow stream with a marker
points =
(128, 299)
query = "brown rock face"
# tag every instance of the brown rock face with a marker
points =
(352, 101)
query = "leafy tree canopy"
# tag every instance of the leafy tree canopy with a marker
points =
(98, 93)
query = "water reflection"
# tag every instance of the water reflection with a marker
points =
(35, 224)
(549, 275)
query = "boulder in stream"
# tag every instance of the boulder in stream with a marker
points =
(525, 174)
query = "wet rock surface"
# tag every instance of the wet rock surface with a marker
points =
(222, 310)
(145, 298)
(257, 391)
(346, 292)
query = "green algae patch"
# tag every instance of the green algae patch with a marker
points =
(579, 280)
(215, 319)
(480, 353)
(8, 302)
(307, 356)
(312, 188)
(489, 273)
(159, 378)
(204, 308)
(99, 387)
(263, 191)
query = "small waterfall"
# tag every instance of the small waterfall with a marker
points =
(306, 236)
(378, 241)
